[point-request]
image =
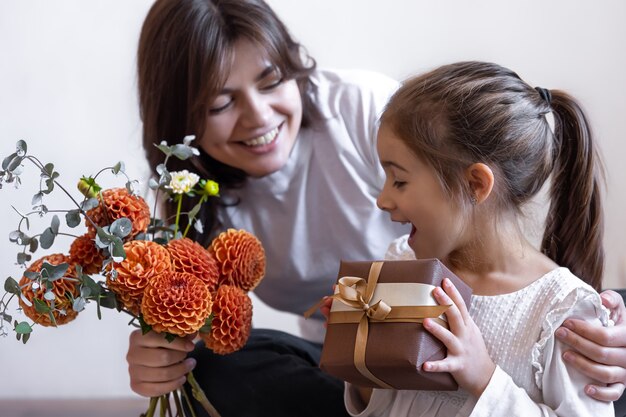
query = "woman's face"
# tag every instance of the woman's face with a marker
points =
(412, 194)
(253, 123)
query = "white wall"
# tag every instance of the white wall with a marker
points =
(67, 86)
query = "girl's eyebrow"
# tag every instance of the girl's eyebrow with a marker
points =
(391, 164)
(266, 71)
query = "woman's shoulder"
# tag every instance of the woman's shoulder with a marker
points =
(346, 91)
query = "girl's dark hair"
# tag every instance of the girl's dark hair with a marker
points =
(471, 112)
(184, 57)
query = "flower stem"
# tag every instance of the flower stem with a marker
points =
(199, 395)
(151, 407)
(188, 401)
(178, 208)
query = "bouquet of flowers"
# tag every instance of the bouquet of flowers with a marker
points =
(132, 262)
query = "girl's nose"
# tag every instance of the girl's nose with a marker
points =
(382, 201)
(257, 111)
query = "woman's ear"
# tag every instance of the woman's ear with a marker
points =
(480, 180)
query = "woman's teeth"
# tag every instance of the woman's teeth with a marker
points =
(263, 140)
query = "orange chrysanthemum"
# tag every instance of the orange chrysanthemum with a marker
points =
(232, 320)
(144, 260)
(177, 303)
(240, 258)
(85, 253)
(116, 203)
(189, 256)
(64, 289)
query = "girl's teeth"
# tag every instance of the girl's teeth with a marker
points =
(263, 140)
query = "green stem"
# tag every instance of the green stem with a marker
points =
(188, 401)
(178, 208)
(151, 407)
(179, 407)
(199, 395)
(163, 399)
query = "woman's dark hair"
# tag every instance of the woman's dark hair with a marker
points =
(184, 57)
(471, 112)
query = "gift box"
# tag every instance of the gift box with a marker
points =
(375, 336)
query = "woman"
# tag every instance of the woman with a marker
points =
(293, 149)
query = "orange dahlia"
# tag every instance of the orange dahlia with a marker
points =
(240, 258)
(232, 320)
(84, 252)
(177, 303)
(116, 203)
(144, 260)
(189, 256)
(63, 289)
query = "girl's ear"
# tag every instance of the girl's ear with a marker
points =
(480, 180)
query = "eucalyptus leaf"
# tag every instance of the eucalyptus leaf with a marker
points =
(23, 328)
(108, 300)
(22, 258)
(49, 186)
(21, 147)
(94, 288)
(182, 151)
(26, 337)
(11, 286)
(79, 304)
(47, 238)
(54, 225)
(164, 148)
(6, 162)
(6, 317)
(37, 198)
(194, 211)
(25, 300)
(53, 272)
(15, 236)
(121, 227)
(85, 292)
(198, 226)
(33, 245)
(118, 167)
(32, 275)
(72, 218)
(40, 306)
(153, 184)
(48, 170)
(90, 203)
(117, 251)
(49, 295)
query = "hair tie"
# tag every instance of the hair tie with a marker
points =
(545, 94)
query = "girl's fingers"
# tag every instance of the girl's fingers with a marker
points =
(444, 335)
(456, 298)
(455, 319)
(445, 365)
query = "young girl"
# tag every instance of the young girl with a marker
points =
(464, 147)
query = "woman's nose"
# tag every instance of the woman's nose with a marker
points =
(257, 110)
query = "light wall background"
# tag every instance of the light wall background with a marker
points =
(67, 86)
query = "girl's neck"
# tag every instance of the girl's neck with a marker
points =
(499, 261)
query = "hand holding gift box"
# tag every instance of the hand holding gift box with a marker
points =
(375, 336)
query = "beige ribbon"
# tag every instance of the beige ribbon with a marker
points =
(357, 293)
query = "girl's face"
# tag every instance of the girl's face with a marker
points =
(412, 194)
(253, 123)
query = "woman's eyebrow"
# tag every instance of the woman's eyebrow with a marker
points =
(266, 71)
(391, 164)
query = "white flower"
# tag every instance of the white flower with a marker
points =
(183, 181)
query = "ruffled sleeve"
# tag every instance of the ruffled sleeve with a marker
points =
(561, 385)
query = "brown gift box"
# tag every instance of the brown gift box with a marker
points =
(393, 348)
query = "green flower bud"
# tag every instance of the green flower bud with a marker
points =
(212, 188)
(88, 187)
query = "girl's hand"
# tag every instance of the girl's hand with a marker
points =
(468, 360)
(599, 352)
(325, 309)
(157, 366)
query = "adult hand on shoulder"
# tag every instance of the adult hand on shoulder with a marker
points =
(599, 352)
(157, 366)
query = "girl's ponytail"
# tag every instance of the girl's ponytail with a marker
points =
(574, 225)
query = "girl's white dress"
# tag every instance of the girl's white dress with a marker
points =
(531, 378)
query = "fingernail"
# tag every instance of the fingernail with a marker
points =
(569, 324)
(567, 357)
(190, 363)
(590, 390)
(561, 333)
(427, 366)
